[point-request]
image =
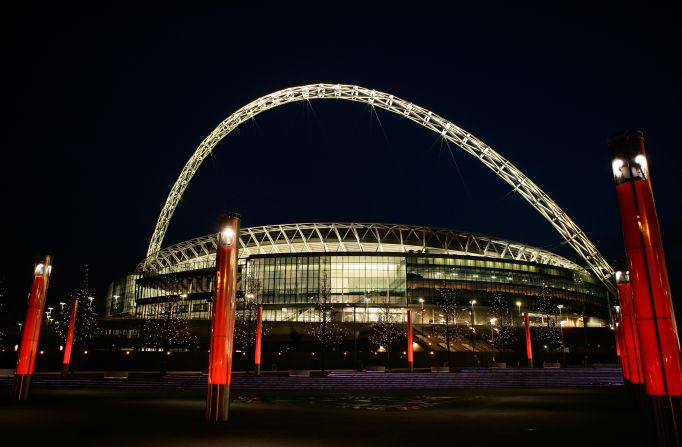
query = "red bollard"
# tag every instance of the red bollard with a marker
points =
(259, 336)
(529, 345)
(621, 353)
(630, 344)
(69, 336)
(222, 321)
(30, 333)
(410, 352)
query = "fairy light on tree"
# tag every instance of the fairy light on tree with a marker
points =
(167, 326)
(247, 314)
(87, 320)
(548, 332)
(387, 331)
(448, 330)
(504, 335)
(325, 329)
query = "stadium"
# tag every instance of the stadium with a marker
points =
(351, 286)
(463, 289)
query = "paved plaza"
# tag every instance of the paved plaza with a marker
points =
(146, 416)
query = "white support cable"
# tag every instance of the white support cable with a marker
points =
(260, 240)
(338, 235)
(458, 136)
(274, 246)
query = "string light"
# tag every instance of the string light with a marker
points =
(325, 330)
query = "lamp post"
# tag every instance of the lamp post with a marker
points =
(28, 344)
(69, 336)
(473, 313)
(563, 349)
(518, 304)
(652, 299)
(473, 343)
(529, 346)
(473, 328)
(222, 320)
(492, 336)
(259, 338)
(366, 309)
(561, 306)
(421, 301)
(355, 341)
(410, 353)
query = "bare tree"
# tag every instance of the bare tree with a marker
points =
(168, 326)
(247, 314)
(387, 331)
(503, 324)
(448, 330)
(327, 332)
(549, 333)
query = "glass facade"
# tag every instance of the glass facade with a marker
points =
(363, 285)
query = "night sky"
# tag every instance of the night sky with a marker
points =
(102, 109)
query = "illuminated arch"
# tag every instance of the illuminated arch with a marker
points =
(571, 233)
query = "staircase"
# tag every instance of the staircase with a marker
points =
(465, 378)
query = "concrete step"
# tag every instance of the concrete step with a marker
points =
(464, 378)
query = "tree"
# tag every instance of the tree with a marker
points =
(549, 333)
(87, 320)
(449, 331)
(247, 315)
(387, 331)
(327, 332)
(168, 327)
(504, 332)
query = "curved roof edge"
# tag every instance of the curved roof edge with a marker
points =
(327, 237)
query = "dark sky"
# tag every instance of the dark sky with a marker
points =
(102, 109)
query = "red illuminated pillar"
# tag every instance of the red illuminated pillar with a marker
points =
(621, 353)
(616, 334)
(31, 329)
(529, 345)
(652, 301)
(410, 352)
(222, 320)
(630, 343)
(653, 307)
(259, 336)
(69, 336)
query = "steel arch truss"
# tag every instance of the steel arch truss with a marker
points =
(568, 229)
(349, 238)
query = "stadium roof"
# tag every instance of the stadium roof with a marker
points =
(351, 238)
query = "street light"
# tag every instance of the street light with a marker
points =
(473, 312)
(562, 323)
(421, 301)
(91, 298)
(473, 343)
(518, 304)
(492, 336)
